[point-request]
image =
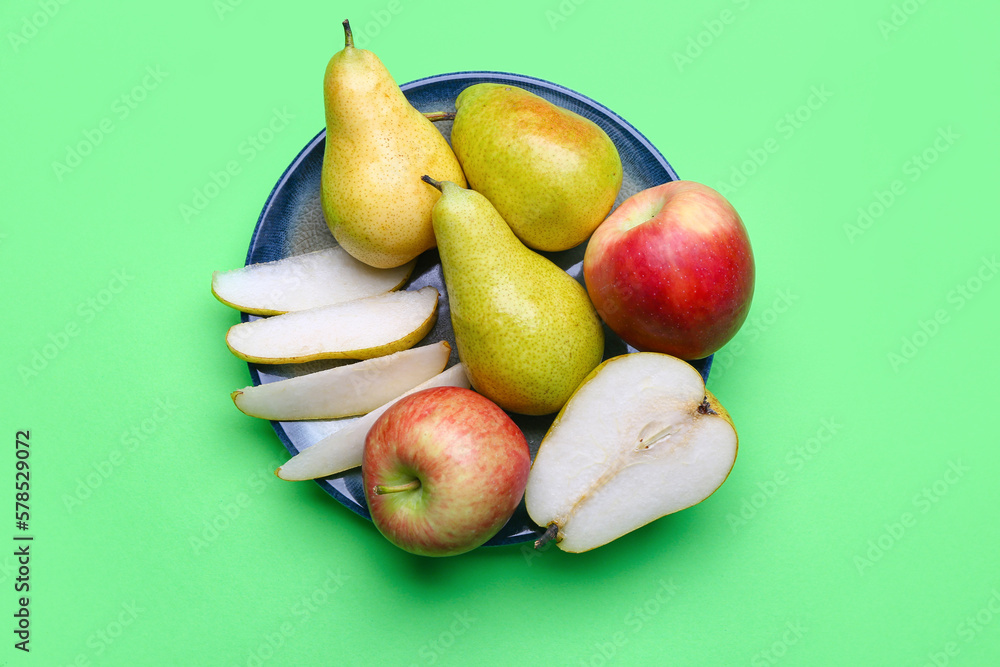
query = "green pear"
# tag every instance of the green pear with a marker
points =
(525, 330)
(377, 147)
(552, 174)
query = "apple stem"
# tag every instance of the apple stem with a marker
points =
(409, 486)
(434, 116)
(427, 179)
(348, 36)
(547, 536)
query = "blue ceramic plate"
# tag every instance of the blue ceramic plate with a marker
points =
(292, 223)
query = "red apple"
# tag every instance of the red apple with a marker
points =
(443, 471)
(671, 270)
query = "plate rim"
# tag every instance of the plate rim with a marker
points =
(328, 483)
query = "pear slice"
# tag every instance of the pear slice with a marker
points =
(305, 281)
(359, 329)
(344, 391)
(639, 439)
(343, 449)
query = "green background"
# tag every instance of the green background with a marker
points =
(860, 524)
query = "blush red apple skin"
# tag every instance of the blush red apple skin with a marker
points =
(472, 462)
(671, 270)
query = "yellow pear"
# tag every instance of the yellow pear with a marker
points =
(552, 174)
(377, 148)
(525, 330)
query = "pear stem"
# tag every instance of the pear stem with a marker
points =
(435, 116)
(348, 36)
(412, 485)
(427, 179)
(547, 536)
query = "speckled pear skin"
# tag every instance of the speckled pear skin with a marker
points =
(377, 148)
(552, 174)
(525, 330)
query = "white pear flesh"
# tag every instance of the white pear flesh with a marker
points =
(639, 439)
(343, 449)
(304, 281)
(359, 329)
(344, 391)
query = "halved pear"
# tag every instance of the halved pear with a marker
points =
(639, 439)
(343, 449)
(304, 281)
(359, 329)
(344, 391)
